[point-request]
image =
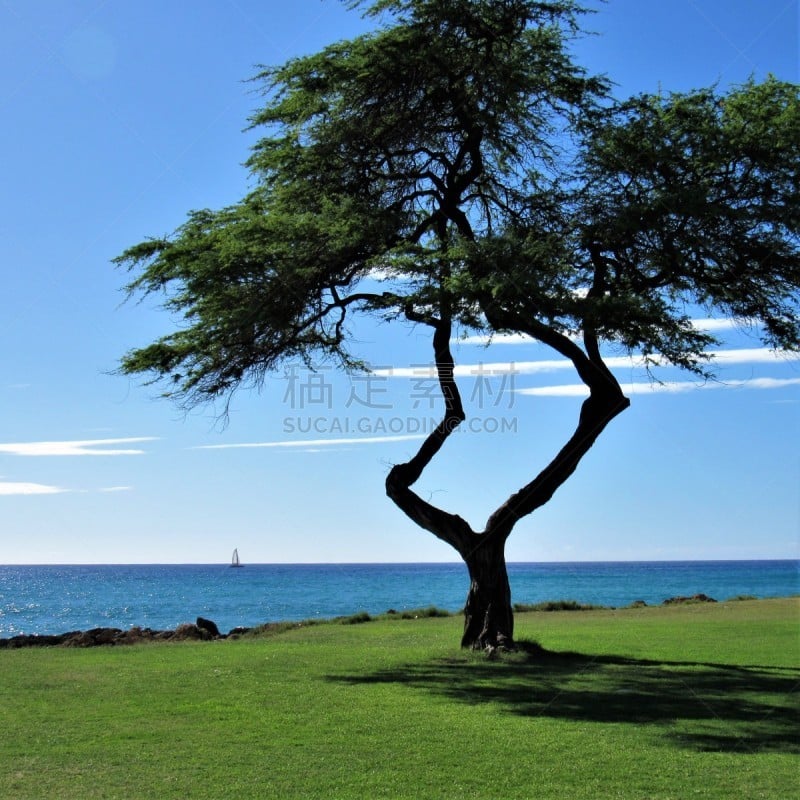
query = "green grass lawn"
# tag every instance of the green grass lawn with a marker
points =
(697, 701)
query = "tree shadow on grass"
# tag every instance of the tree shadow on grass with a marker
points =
(701, 706)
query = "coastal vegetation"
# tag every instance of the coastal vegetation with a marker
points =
(683, 700)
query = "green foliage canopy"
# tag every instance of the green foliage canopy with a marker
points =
(460, 150)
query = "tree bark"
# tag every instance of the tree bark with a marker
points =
(488, 616)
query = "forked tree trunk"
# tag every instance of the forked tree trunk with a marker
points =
(488, 616)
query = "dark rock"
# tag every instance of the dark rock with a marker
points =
(78, 639)
(188, 630)
(91, 638)
(136, 634)
(208, 625)
(205, 630)
(695, 598)
(638, 604)
(104, 635)
(31, 640)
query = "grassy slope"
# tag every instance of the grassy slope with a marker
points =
(693, 701)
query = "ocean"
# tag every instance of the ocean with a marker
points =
(57, 599)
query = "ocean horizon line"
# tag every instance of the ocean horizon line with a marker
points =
(58, 597)
(224, 563)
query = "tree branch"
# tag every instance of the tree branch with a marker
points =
(449, 527)
(596, 413)
(605, 402)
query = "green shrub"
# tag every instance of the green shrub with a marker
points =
(556, 605)
(418, 613)
(274, 628)
(432, 611)
(355, 619)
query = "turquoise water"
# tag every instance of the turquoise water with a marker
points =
(56, 599)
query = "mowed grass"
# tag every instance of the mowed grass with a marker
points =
(696, 701)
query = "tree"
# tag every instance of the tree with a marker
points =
(460, 150)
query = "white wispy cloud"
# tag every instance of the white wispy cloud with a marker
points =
(313, 443)
(706, 324)
(8, 488)
(724, 324)
(89, 447)
(426, 371)
(668, 387)
(755, 355)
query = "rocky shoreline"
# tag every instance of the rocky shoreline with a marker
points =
(200, 630)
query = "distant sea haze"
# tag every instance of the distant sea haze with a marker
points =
(57, 599)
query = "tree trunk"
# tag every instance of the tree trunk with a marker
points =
(488, 616)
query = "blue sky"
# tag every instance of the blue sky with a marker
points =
(120, 117)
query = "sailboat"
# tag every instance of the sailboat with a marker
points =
(235, 559)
